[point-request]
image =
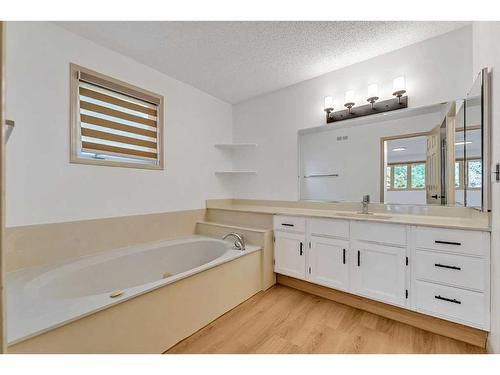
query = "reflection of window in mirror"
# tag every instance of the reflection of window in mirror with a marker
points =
(409, 176)
(405, 169)
(474, 174)
(468, 175)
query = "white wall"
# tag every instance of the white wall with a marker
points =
(473, 198)
(486, 53)
(406, 197)
(43, 187)
(436, 70)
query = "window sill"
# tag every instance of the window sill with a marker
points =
(110, 163)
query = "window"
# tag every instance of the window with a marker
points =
(114, 123)
(406, 176)
(474, 174)
(400, 180)
(418, 176)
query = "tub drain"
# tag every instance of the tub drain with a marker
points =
(116, 293)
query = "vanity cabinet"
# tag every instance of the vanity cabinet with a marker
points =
(289, 254)
(378, 272)
(378, 261)
(451, 275)
(328, 262)
(435, 271)
(289, 246)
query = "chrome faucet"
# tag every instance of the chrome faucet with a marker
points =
(366, 200)
(239, 243)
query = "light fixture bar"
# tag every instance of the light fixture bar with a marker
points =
(368, 109)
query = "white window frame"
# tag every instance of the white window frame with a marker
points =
(75, 136)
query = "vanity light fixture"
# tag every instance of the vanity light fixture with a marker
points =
(372, 94)
(463, 143)
(349, 100)
(400, 101)
(397, 149)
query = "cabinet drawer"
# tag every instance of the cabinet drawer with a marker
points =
(379, 232)
(290, 223)
(451, 303)
(452, 240)
(451, 269)
(329, 227)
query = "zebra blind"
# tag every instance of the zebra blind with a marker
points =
(117, 123)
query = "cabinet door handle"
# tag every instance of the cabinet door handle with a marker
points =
(448, 242)
(301, 251)
(445, 266)
(359, 258)
(287, 225)
(448, 299)
(343, 256)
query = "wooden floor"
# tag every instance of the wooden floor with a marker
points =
(286, 320)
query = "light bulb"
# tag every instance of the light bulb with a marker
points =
(349, 97)
(399, 85)
(372, 94)
(373, 91)
(328, 103)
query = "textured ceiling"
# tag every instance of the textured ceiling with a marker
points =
(235, 61)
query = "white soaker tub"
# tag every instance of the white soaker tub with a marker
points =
(42, 298)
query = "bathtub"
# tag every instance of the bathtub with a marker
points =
(41, 299)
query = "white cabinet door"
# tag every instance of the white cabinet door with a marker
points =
(328, 262)
(289, 254)
(378, 272)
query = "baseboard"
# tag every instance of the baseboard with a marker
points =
(435, 325)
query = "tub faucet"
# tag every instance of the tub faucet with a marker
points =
(366, 200)
(239, 242)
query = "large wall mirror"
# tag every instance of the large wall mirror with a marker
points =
(432, 155)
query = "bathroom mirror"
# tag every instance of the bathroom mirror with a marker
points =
(432, 155)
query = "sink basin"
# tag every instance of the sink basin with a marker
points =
(369, 215)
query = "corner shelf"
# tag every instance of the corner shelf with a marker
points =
(234, 172)
(234, 146)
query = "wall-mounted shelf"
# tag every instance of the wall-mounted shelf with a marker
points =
(234, 146)
(235, 172)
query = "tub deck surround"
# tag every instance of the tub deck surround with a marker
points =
(45, 244)
(442, 217)
(259, 237)
(43, 298)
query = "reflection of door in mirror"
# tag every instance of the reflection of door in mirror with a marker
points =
(448, 164)
(433, 159)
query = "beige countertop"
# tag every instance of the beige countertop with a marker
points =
(448, 217)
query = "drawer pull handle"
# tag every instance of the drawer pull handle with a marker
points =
(343, 256)
(359, 258)
(301, 251)
(287, 225)
(448, 299)
(449, 267)
(448, 243)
